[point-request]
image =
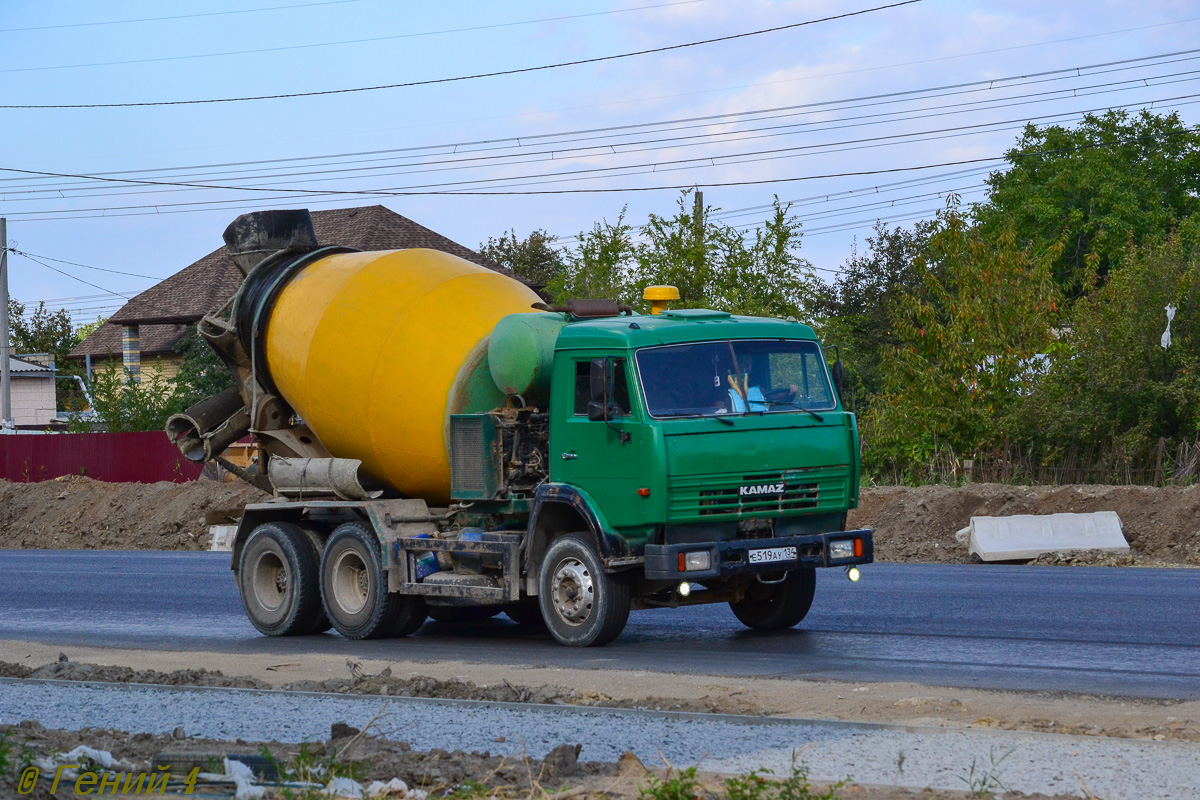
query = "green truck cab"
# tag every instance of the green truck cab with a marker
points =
(708, 456)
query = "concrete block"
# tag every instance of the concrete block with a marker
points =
(1026, 536)
(222, 538)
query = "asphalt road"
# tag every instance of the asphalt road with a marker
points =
(1132, 632)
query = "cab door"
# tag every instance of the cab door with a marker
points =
(594, 455)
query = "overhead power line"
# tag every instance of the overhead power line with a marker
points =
(65, 273)
(85, 266)
(476, 76)
(343, 42)
(455, 187)
(178, 16)
(31, 192)
(516, 146)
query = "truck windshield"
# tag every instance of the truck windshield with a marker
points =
(734, 377)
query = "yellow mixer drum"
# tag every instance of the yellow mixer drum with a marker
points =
(376, 350)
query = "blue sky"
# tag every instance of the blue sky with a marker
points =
(53, 52)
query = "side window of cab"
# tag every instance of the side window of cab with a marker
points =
(583, 387)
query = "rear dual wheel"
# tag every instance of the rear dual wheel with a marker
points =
(278, 578)
(354, 588)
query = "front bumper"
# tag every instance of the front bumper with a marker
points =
(733, 557)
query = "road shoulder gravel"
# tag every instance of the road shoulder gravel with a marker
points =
(914, 757)
(902, 703)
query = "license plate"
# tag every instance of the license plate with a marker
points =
(770, 554)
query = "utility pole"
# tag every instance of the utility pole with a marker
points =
(5, 339)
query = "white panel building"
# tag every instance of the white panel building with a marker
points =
(33, 397)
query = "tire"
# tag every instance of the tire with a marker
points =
(769, 607)
(454, 614)
(320, 623)
(278, 577)
(582, 605)
(526, 612)
(354, 588)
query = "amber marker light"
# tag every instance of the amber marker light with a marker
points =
(644, 492)
(858, 548)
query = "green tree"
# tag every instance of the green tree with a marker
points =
(534, 258)
(600, 264)
(88, 328)
(1111, 382)
(122, 404)
(969, 345)
(713, 265)
(44, 331)
(859, 306)
(1093, 189)
(202, 373)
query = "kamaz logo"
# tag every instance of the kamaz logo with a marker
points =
(760, 489)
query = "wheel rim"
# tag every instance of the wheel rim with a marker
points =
(270, 580)
(573, 591)
(351, 582)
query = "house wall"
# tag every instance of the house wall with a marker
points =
(167, 366)
(33, 400)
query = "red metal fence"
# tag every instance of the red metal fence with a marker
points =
(113, 457)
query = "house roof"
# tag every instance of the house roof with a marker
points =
(27, 369)
(153, 340)
(163, 310)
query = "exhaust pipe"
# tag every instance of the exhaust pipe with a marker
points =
(204, 431)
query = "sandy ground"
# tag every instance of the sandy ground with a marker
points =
(910, 524)
(903, 703)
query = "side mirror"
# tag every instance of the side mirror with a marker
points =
(838, 376)
(597, 411)
(600, 375)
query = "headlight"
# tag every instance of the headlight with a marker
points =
(841, 549)
(695, 561)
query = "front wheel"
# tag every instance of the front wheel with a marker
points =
(774, 606)
(581, 603)
(354, 588)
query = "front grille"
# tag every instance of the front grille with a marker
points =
(716, 497)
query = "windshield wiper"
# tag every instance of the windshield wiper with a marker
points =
(809, 411)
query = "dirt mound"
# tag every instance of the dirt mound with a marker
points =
(383, 684)
(438, 771)
(910, 523)
(386, 684)
(74, 512)
(66, 670)
(1161, 525)
(443, 774)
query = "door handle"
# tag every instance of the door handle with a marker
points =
(569, 456)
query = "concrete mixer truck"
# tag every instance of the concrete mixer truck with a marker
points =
(441, 443)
